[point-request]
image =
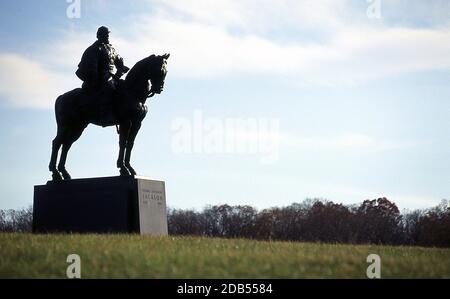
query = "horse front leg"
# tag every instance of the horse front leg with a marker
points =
(131, 137)
(124, 131)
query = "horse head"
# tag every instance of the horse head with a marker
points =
(152, 68)
(158, 75)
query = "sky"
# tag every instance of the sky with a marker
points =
(266, 102)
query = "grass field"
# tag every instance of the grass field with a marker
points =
(133, 256)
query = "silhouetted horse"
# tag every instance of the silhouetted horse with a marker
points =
(129, 109)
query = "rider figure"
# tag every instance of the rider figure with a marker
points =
(101, 67)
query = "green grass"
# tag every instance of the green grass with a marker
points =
(133, 256)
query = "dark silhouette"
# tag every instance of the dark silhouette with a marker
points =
(100, 64)
(125, 108)
(100, 205)
(100, 69)
(372, 222)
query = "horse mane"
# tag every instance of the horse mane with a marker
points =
(139, 71)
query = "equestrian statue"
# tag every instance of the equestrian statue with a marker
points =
(106, 100)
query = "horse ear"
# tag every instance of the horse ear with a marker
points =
(166, 56)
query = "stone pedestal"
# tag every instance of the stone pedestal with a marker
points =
(101, 205)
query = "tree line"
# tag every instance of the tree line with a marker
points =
(377, 221)
(16, 220)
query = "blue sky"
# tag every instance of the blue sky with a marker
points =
(361, 103)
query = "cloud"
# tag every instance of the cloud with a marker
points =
(348, 192)
(257, 16)
(316, 43)
(417, 13)
(64, 53)
(29, 84)
(325, 43)
(350, 141)
(408, 201)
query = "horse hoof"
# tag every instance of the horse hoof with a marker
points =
(131, 170)
(56, 176)
(124, 171)
(65, 174)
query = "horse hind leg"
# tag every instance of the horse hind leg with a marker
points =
(71, 137)
(62, 161)
(56, 144)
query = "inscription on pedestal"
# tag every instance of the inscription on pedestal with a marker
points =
(152, 207)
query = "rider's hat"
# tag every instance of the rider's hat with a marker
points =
(102, 31)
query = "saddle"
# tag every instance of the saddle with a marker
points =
(102, 103)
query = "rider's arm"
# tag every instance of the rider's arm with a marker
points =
(121, 68)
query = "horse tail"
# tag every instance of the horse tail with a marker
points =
(64, 105)
(58, 109)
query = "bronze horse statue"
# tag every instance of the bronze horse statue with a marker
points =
(128, 109)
